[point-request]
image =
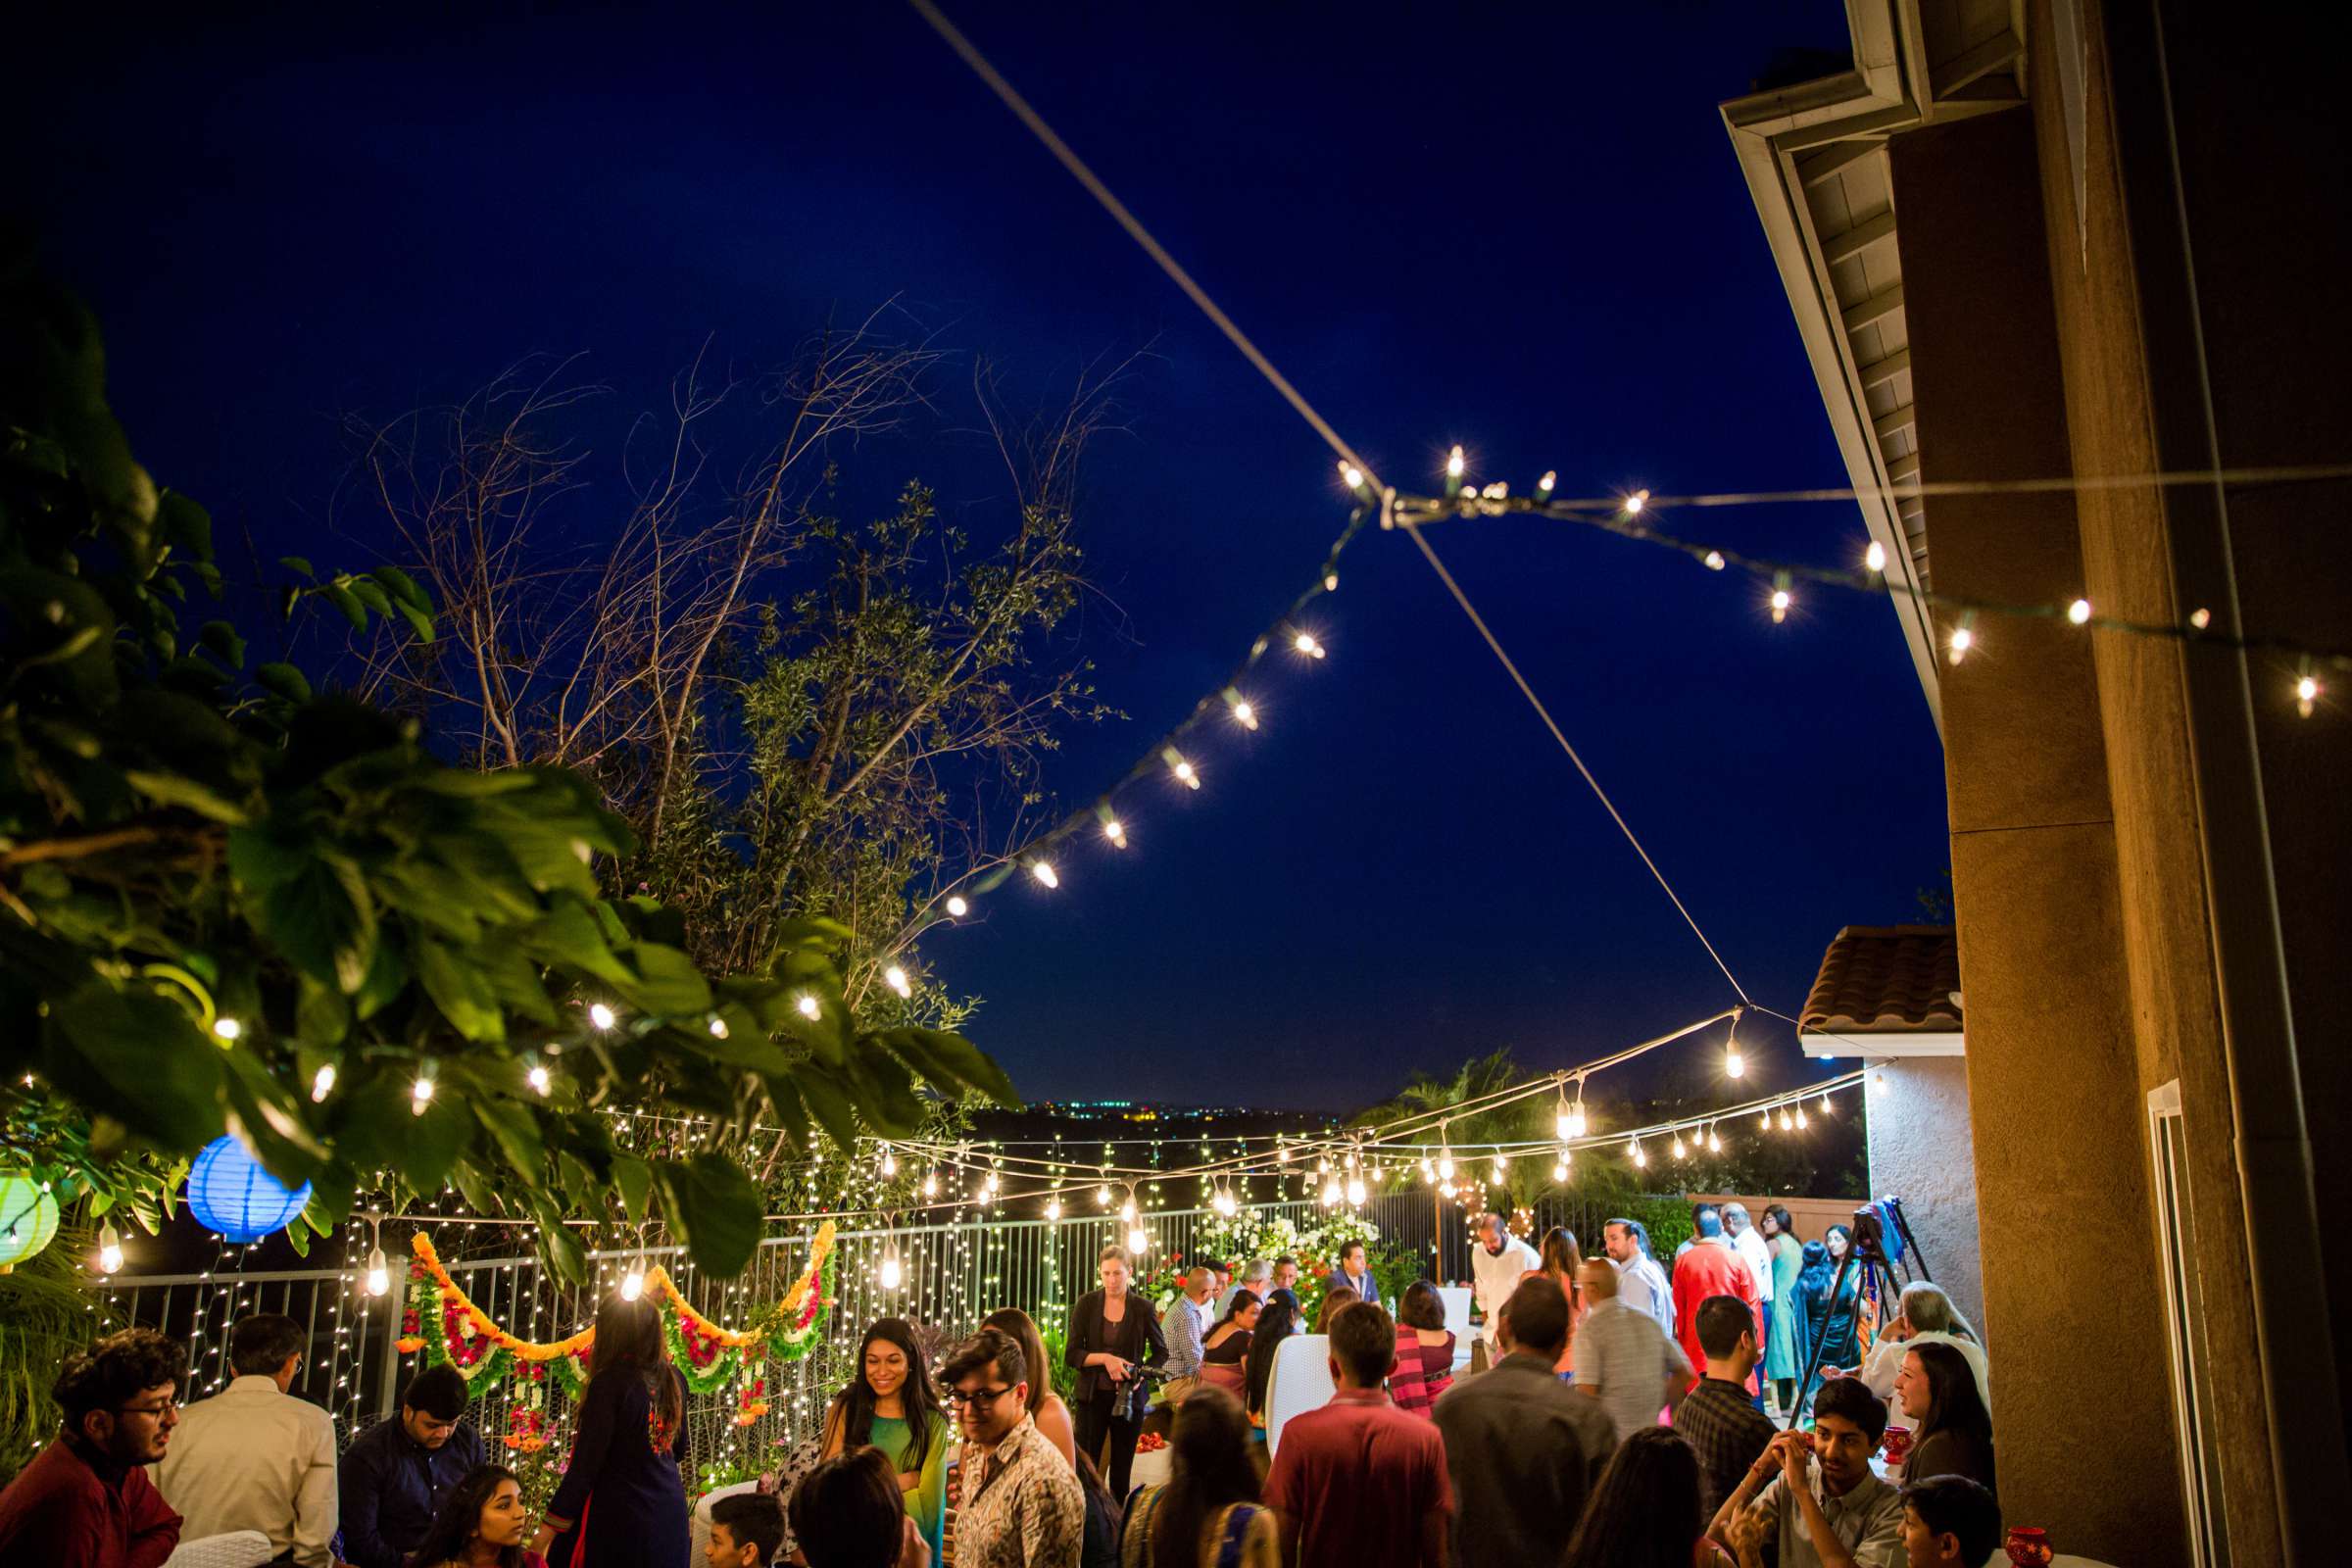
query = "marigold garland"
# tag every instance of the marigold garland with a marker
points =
(466, 1338)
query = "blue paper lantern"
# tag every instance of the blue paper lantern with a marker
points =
(27, 1218)
(230, 1192)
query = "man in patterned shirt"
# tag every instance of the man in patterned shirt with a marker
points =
(1022, 1507)
(1184, 1326)
(1717, 1418)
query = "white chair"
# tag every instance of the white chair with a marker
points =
(239, 1549)
(1300, 1382)
(700, 1530)
(1457, 1318)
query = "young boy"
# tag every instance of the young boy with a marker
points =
(746, 1530)
(1949, 1520)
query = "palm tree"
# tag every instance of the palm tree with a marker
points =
(1519, 1121)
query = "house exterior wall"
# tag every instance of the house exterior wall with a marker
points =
(1920, 1151)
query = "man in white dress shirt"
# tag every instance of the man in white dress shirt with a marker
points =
(254, 1457)
(1641, 1281)
(1749, 1243)
(1498, 1260)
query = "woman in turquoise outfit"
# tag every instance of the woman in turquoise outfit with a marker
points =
(1784, 1347)
(892, 1406)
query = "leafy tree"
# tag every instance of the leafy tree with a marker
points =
(229, 902)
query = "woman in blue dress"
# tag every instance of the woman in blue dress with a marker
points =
(891, 1405)
(622, 1503)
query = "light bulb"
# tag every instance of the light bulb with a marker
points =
(1137, 1241)
(1331, 585)
(1788, 1122)
(1800, 1118)
(110, 1250)
(379, 1274)
(632, 1284)
(227, 1028)
(1962, 641)
(1733, 1064)
(1331, 1194)
(601, 1015)
(2079, 612)
(1127, 1211)
(1455, 463)
(956, 908)
(1780, 601)
(896, 978)
(1874, 558)
(1714, 561)
(1545, 484)
(2307, 695)
(891, 1273)
(1575, 1118)
(322, 1083)
(808, 1005)
(1429, 1172)
(1714, 1144)
(1766, 1121)
(1355, 1190)
(1559, 1168)
(540, 1079)
(1640, 1158)
(1877, 1082)
(1560, 1125)
(1052, 1208)
(1636, 502)
(420, 1095)
(1446, 1167)
(1825, 1105)
(931, 1184)
(1306, 642)
(1679, 1149)
(890, 1162)
(1185, 772)
(1353, 475)
(1103, 1195)
(1116, 831)
(2200, 619)
(1045, 874)
(1245, 715)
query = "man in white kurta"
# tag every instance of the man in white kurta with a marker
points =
(1498, 1260)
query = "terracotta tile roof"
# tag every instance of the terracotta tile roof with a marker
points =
(1888, 978)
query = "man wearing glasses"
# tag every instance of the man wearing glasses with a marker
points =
(85, 1500)
(1022, 1507)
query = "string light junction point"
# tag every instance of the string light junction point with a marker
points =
(110, 1250)
(601, 1015)
(1636, 502)
(957, 909)
(227, 1028)
(1714, 561)
(808, 1005)
(2079, 612)
(322, 1084)
(379, 1274)
(541, 1080)
(1874, 558)
(1116, 831)
(2200, 619)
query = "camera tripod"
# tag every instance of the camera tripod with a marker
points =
(1879, 1282)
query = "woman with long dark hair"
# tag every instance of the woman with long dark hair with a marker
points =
(1561, 1259)
(1784, 1338)
(481, 1525)
(1951, 1430)
(1829, 1318)
(1045, 1407)
(850, 1513)
(1424, 1351)
(622, 1503)
(1112, 1337)
(1277, 1321)
(1225, 1349)
(1644, 1512)
(891, 1405)
(1207, 1510)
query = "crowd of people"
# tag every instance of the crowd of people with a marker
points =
(1615, 1412)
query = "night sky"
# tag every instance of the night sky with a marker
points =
(1526, 235)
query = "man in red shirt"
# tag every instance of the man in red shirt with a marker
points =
(86, 1499)
(1711, 1268)
(1360, 1483)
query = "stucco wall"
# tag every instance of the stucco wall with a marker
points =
(1921, 1152)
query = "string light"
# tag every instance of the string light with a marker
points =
(1714, 561)
(956, 908)
(1116, 832)
(322, 1084)
(1355, 1190)
(1306, 644)
(601, 1015)
(1766, 1122)
(1679, 1149)
(931, 1184)
(1454, 465)
(110, 1250)
(380, 1273)
(890, 1162)
(540, 1079)
(1103, 1195)
(1185, 772)
(1825, 1105)
(1800, 1118)
(228, 1029)
(632, 1284)
(1052, 1208)
(1640, 1158)
(1782, 599)
(1634, 502)
(1734, 1065)
(1714, 1144)
(1137, 1241)
(1964, 636)
(1545, 485)
(421, 1094)
(2307, 694)
(1559, 1166)
(1239, 706)
(719, 1028)
(889, 1275)
(1788, 1122)
(807, 1004)
(1874, 558)
(1561, 1123)
(2079, 612)
(2200, 619)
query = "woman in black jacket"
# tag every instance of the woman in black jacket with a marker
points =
(1112, 1335)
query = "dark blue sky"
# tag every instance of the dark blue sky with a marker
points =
(1524, 234)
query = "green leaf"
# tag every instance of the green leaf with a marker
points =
(222, 639)
(420, 621)
(142, 1057)
(388, 977)
(516, 1132)
(477, 1186)
(633, 1179)
(175, 789)
(716, 1208)
(461, 990)
(886, 1093)
(434, 1140)
(403, 588)
(282, 680)
(296, 564)
(668, 984)
(947, 1062)
(186, 526)
(561, 1250)
(367, 593)
(322, 1014)
(569, 934)
(270, 853)
(830, 1106)
(345, 601)
(323, 921)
